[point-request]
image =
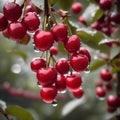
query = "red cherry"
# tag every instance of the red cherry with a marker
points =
(73, 81)
(108, 87)
(72, 44)
(54, 50)
(115, 17)
(96, 25)
(112, 101)
(12, 11)
(105, 4)
(6, 33)
(43, 40)
(46, 76)
(111, 109)
(105, 74)
(82, 20)
(84, 51)
(25, 40)
(76, 7)
(60, 83)
(48, 94)
(29, 9)
(16, 30)
(62, 66)
(78, 93)
(37, 63)
(60, 32)
(31, 21)
(79, 62)
(3, 22)
(6, 86)
(100, 92)
(99, 83)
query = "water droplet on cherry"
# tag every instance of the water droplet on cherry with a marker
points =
(54, 103)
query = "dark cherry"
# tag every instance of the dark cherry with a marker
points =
(12, 11)
(17, 30)
(31, 21)
(3, 22)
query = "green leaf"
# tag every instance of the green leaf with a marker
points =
(114, 52)
(66, 5)
(19, 112)
(52, 2)
(97, 64)
(19, 53)
(92, 39)
(92, 13)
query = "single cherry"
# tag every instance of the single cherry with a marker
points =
(3, 22)
(84, 51)
(112, 101)
(53, 50)
(105, 74)
(78, 93)
(12, 11)
(105, 4)
(60, 32)
(73, 82)
(46, 76)
(100, 92)
(76, 7)
(37, 63)
(79, 62)
(60, 83)
(17, 30)
(62, 66)
(72, 44)
(48, 94)
(43, 40)
(31, 21)
(82, 20)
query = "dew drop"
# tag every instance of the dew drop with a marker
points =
(87, 70)
(64, 91)
(38, 84)
(54, 103)
(101, 98)
(35, 49)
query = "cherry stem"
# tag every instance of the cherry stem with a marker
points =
(46, 14)
(5, 115)
(14, 1)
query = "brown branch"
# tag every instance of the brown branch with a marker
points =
(4, 114)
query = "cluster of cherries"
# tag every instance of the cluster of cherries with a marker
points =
(16, 24)
(55, 76)
(104, 86)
